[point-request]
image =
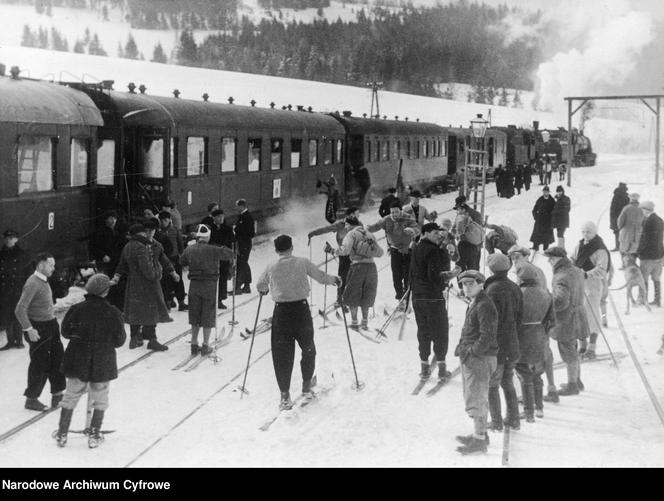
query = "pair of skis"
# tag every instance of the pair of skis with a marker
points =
(263, 326)
(194, 360)
(436, 387)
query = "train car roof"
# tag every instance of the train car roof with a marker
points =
(466, 131)
(158, 111)
(33, 101)
(359, 126)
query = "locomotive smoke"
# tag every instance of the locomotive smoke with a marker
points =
(298, 215)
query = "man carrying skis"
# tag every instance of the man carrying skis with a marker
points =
(428, 267)
(477, 350)
(94, 329)
(203, 259)
(287, 281)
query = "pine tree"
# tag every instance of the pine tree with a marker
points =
(187, 50)
(516, 103)
(504, 101)
(130, 49)
(28, 39)
(79, 47)
(159, 56)
(42, 38)
(95, 47)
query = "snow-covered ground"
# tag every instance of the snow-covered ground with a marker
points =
(174, 418)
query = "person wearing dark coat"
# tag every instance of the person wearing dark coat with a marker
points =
(171, 240)
(95, 330)
(560, 215)
(527, 176)
(508, 182)
(651, 250)
(538, 318)
(619, 200)
(428, 265)
(507, 298)
(518, 179)
(15, 268)
(498, 174)
(477, 350)
(222, 236)
(207, 220)
(571, 325)
(386, 203)
(244, 232)
(143, 262)
(108, 244)
(543, 229)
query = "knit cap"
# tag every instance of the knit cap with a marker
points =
(98, 284)
(498, 262)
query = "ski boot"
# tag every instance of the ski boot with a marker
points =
(551, 396)
(205, 350)
(425, 371)
(496, 426)
(364, 325)
(65, 420)
(96, 437)
(513, 423)
(473, 447)
(155, 345)
(465, 439)
(443, 373)
(589, 353)
(285, 404)
(195, 349)
(568, 389)
(539, 413)
(34, 404)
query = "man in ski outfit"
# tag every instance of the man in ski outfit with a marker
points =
(428, 268)
(287, 281)
(477, 350)
(418, 212)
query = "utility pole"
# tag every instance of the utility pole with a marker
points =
(374, 96)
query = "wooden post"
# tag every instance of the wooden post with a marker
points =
(570, 145)
(657, 143)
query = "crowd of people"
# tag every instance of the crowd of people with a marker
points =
(508, 323)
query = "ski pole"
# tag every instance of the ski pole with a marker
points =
(387, 322)
(215, 358)
(599, 326)
(358, 385)
(232, 321)
(405, 315)
(325, 326)
(311, 283)
(251, 346)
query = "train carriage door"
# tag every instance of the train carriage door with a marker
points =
(451, 155)
(111, 189)
(490, 150)
(148, 178)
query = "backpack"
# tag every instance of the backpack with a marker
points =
(366, 246)
(473, 232)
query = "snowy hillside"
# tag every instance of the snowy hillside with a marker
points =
(183, 419)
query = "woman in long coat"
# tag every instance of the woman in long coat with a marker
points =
(542, 213)
(629, 224)
(14, 270)
(618, 202)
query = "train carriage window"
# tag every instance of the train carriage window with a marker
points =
(444, 144)
(296, 153)
(173, 165)
(425, 149)
(397, 150)
(368, 145)
(106, 162)
(417, 149)
(313, 152)
(254, 157)
(275, 153)
(196, 156)
(377, 151)
(153, 157)
(78, 162)
(385, 150)
(339, 152)
(328, 151)
(408, 148)
(228, 154)
(36, 170)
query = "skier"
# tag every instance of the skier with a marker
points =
(593, 257)
(538, 319)
(430, 270)
(340, 230)
(386, 203)
(560, 214)
(361, 246)
(95, 330)
(571, 321)
(401, 229)
(619, 200)
(542, 229)
(508, 300)
(36, 314)
(203, 259)
(651, 251)
(460, 204)
(286, 280)
(469, 233)
(14, 270)
(630, 225)
(417, 211)
(477, 350)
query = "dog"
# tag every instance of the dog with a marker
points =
(633, 278)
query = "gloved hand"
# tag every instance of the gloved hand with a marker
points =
(262, 293)
(338, 281)
(328, 248)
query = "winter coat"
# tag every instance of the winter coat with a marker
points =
(518, 178)
(541, 277)
(174, 238)
(478, 334)
(538, 319)
(650, 244)
(618, 202)
(567, 289)
(423, 215)
(141, 263)
(245, 228)
(352, 239)
(395, 231)
(94, 329)
(222, 235)
(507, 298)
(543, 228)
(560, 214)
(15, 268)
(426, 264)
(630, 225)
(598, 271)
(108, 242)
